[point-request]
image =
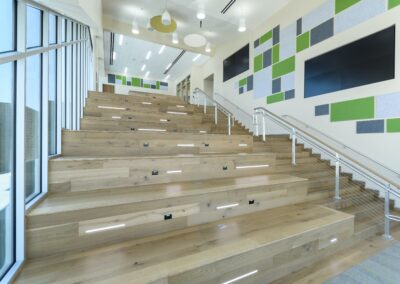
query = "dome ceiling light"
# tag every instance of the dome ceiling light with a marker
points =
(195, 40)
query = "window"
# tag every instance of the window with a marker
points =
(33, 27)
(52, 29)
(52, 102)
(7, 25)
(64, 30)
(7, 142)
(33, 131)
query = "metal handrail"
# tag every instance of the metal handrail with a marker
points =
(343, 145)
(340, 158)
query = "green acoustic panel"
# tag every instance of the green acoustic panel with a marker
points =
(284, 67)
(276, 98)
(353, 110)
(303, 42)
(119, 77)
(258, 63)
(341, 5)
(266, 37)
(123, 80)
(243, 82)
(393, 125)
(158, 85)
(147, 86)
(136, 82)
(393, 3)
(275, 53)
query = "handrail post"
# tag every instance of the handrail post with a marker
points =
(257, 130)
(254, 124)
(337, 177)
(229, 124)
(216, 113)
(293, 147)
(233, 121)
(387, 234)
(263, 126)
(205, 104)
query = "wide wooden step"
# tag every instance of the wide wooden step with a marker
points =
(270, 244)
(149, 210)
(101, 144)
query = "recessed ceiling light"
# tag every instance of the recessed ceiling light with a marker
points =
(148, 55)
(175, 39)
(121, 39)
(161, 49)
(196, 57)
(242, 25)
(143, 67)
(135, 28)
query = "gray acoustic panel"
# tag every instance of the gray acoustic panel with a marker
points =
(111, 78)
(322, 110)
(250, 83)
(276, 35)
(371, 126)
(241, 90)
(299, 26)
(290, 95)
(267, 57)
(322, 32)
(256, 43)
(276, 86)
(164, 84)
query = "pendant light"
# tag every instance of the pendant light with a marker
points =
(166, 16)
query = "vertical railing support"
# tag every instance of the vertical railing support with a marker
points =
(293, 147)
(229, 124)
(233, 121)
(387, 234)
(263, 127)
(216, 113)
(257, 130)
(205, 104)
(337, 177)
(198, 99)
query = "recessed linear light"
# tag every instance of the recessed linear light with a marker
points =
(185, 145)
(227, 206)
(163, 120)
(197, 57)
(152, 129)
(105, 229)
(180, 106)
(241, 277)
(114, 55)
(116, 117)
(174, 172)
(108, 107)
(252, 167)
(148, 55)
(146, 103)
(177, 112)
(243, 145)
(167, 77)
(161, 49)
(126, 70)
(147, 74)
(203, 131)
(143, 67)
(334, 240)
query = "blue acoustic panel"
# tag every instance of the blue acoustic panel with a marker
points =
(111, 78)
(288, 82)
(263, 47)
(322, 110)
(322, 32)
(129, 83)
(241, 90)
(290, 94)
(263, 83)
(288, 41)
(267, 58)
(250, 83)
(256, 43)
(164, 84)
(276, 86)
(299, 27)
(371, 126)
(388, 106)
(276, 35)
(318, 16)
(358, 13)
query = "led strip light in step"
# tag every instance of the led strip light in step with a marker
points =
(105, 229)
(227, 206)
(152, 130)
(252, 167)
(177, 112)
(241, 277)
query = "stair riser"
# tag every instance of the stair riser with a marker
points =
(189, 211)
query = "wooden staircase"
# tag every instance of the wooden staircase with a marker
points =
(152, 191)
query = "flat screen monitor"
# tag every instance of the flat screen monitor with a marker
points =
(237, 63)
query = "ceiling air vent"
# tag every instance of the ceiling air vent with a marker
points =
(175, 61)
(228, 6)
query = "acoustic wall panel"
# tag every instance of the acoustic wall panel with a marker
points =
(275, 98)
(284, 67)
(288, 41)
(393, 125)
(290, 94)
(263, 83)
(322, 110)
(288, 81)
(393, 3)
(353, 110)
(371, 126)
(276, 86)
(318, 16)
(341, 5)
(322, 32)
(388, 106)
(358, 13)
(137, 82)
(303, 42)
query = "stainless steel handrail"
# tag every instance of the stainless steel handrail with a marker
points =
(340, 158)
(343, 145)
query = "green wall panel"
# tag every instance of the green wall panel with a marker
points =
(243, 82)
(276, 98)
(158, 85)
(393, 3)
(341, 5)
(393, 125)
(136, 82)
(147, 86)
(353, 110)
(258, 63)
(284, 67)
(265, 37)
(275, 53)
(303, 42)
(123, 80)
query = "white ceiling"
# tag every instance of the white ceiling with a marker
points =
(132, 54)
(217, 27)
